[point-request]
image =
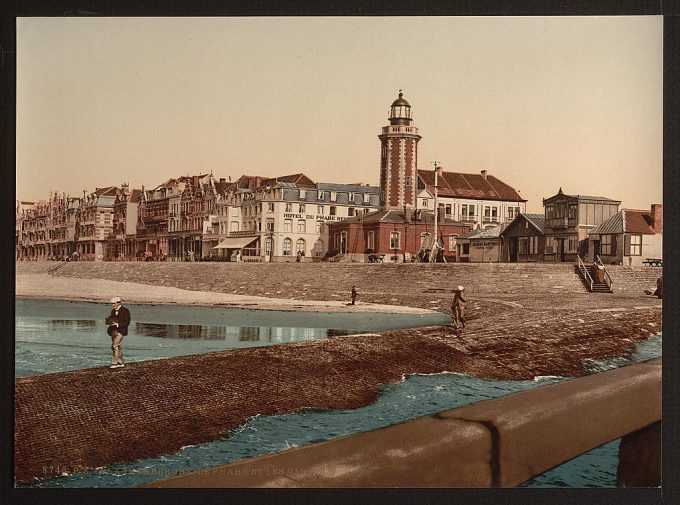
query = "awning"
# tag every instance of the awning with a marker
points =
(235, 242)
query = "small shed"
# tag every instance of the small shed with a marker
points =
(481, 246)
(524, 238)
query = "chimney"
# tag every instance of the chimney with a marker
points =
(484, 174)
(222, 179)
(657, 217)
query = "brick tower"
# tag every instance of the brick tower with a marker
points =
(399, 158)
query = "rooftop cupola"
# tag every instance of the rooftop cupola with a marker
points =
(400, 112)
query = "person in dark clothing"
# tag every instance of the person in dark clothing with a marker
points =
(118, 322)
(354, 294)
(659, 287)
(458, 307)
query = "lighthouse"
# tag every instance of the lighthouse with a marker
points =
(399, 158)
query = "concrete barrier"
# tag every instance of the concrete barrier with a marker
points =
(496, 443)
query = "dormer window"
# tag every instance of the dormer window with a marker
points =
(320, 195)
(333, 196)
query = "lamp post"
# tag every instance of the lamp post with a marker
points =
(435, 244)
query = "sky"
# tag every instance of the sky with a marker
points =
(539, 102)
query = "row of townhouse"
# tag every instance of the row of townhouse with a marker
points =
(192, 218)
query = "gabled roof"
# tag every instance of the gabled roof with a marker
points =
(475, 186)
(301, 180)
(135, 195)
(626, 221)
(110, 191)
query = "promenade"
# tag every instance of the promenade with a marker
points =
(524, 320)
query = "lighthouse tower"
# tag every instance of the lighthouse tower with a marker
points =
(399, 158)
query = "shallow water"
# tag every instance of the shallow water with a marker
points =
(416, 396)
(56, 335)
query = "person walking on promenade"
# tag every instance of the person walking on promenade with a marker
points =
(659, 287)
(118, 322)
(458, 307)
(354, 294)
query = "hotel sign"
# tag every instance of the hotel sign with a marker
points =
(318, 217)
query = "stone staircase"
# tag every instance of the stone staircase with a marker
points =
(598, 287)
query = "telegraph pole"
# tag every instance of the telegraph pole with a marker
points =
(435, 244)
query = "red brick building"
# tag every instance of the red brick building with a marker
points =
(393, 236)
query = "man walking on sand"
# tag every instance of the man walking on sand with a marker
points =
(458, 307)
(118, 322)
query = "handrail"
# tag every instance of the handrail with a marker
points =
(607, 276)
(584, 272)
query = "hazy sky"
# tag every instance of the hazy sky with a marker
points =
(538, 102)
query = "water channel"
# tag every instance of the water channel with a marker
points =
(77, 339)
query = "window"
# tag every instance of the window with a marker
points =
(606, 245)
(319, 209)
(370, 240)
(448, 209)
(424, 203)
(289, 207)
(333, 210)
(350, 197)
(634, 245)
(320, 196)
(288, 225)
(573, 243)
(334, 196)
(394, 240)
(367, 198)
(549, 211)
(269, 226)
(318, 248)
(270, 207)
(466, 249)
(300, 246)
(452, 242)
(350, 211)
(318, 226)
(301, 208)
(407, 180)
(287, 246)
(303, 193)
(524, 245)
(533, 245)
(302, 226)
(233, 226)
(572, 210)
(511, 213)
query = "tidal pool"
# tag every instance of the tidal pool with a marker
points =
(57, 335)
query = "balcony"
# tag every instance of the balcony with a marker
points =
(557, 223)
(489, 219)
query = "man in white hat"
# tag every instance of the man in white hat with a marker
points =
(458, 306)
(118, 322)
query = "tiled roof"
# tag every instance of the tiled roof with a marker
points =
(485, 233)
(301, 180)
(135, 196)
(397, 216)
(475, 186)
(110, 191)
(638, 221)
(626, 221)
(352, 188)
